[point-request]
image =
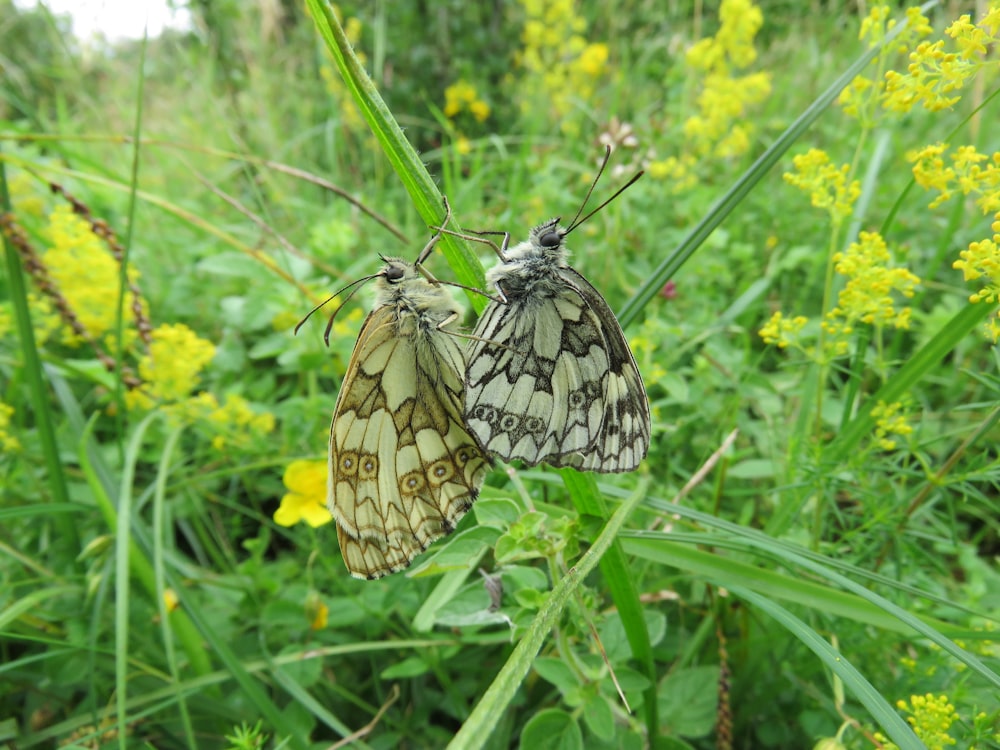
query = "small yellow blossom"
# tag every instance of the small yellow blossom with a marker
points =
(981, 262)
(84, 272)
(176, 358)
(560, 67)
(826, 183)
(889, 421)
(931, 717)
(782, 331)
(316, 611)
(593, 59)
(867, 295)
(237, 424)
(936, 75)
(721, 128)
(8, 443)
(26, 195)
(306, 499)
(170, 600)
(969, 173)
(461, 97)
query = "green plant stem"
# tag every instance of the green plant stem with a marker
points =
(403, 157)
(475, 732)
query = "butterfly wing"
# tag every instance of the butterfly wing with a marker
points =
(551, 379)
(403, 469)
(623, 439)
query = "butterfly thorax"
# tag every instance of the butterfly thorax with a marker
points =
(418, 304)
(532, 267)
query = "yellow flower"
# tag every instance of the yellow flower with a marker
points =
(480, 110)
(84, 272)
(559, 65)
(982, 261)
(825, 182)
(889, 421)
(176, 358)
(8, 442)
(306, 500)
(592, 59)
(316, 611)
(782, 331)
(170, 600)
(867, 295)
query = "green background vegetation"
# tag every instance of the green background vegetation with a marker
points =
(829, 574)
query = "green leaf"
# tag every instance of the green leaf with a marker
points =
(688, 700)
(598, 717)
(558, 673)
(551, 729)
(411, 666)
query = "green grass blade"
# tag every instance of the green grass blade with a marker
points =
(588, 500)
(404, 159)
(742, 187)
(476, 730)
(897, 729)
(690, 556)
(159, 535)
(906, 378)
(67, 540)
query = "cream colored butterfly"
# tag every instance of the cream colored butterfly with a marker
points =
(550, 377)
(403, 468)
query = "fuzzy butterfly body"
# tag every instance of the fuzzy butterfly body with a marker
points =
(550, 377)
(403, 467)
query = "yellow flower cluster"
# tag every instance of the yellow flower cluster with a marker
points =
(867, 295)
(931, 717)
(170, 373)
(171, 369)
(560, 65)
(84, 272)
(461, 96)
(306, 497)
(981, 261)
(969, 173)
(889, 421)
(783, 331)
(934, 76)
(719, 129)
(8, 443)
(826, 183)
(235, 422)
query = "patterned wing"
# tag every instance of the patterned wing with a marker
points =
(552, 380)
(623, 439)
(403, 469)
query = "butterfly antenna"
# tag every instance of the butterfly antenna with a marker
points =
(593, 184)
(334, 296)
(357, 286)
(618, 192)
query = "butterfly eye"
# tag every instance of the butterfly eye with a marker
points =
(550, 239)
(394, 273)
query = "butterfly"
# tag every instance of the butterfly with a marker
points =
(549, 375)
(403, 467)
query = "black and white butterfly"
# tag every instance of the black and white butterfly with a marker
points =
(549, 375)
